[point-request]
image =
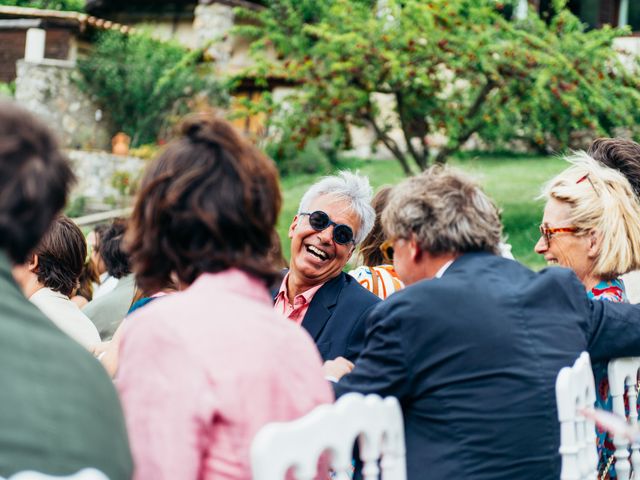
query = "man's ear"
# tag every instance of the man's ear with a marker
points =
(294, 224)
(32, 264)
(414, 249)
(595, 241)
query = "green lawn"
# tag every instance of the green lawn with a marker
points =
(513, 181)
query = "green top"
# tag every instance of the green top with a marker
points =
(59, 411)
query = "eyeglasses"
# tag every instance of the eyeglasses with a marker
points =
(319, 220)
(387, 250)
(548, 232)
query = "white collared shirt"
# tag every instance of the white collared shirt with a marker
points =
(443, 269)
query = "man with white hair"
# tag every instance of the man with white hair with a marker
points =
(335, 214)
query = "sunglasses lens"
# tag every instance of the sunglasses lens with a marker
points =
(342, 234)
(389, 252)
(319, 220)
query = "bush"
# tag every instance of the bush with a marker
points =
(142, 82)
(76, 207)
(7, 89)
(72, 5)
(292, 158)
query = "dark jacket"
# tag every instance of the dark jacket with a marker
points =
(59, 412)
(336, 317)
(473, 358)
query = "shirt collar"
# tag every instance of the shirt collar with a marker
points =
(283, 293)
(47, 292)
(443, 269)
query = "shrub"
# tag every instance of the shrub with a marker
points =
(7, 89)
(142, 82)
(73, 5)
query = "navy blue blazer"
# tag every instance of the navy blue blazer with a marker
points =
(336, 317)
(473, 358)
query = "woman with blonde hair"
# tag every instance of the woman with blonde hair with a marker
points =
(591, 225)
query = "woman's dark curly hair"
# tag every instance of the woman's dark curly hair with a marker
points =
(61, 255)
(370, 247)
(209, 202)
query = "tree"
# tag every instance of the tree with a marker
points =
(141, 81)
(73, 5)
(452, 67)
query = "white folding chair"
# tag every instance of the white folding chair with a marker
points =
(84, 474)
(623, 377)
(333, 429)
(575, 390)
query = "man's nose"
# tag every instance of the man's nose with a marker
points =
(326, 235)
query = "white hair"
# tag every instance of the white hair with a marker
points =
(348, 186)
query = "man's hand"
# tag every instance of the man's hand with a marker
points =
(337, 368)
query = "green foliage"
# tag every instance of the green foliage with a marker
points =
(72, 5)
(296, 153)
(143, 82)
(76, 207)
(146, 152)
(123, 183)
(7, 89)
(292, 159)
(451, 67)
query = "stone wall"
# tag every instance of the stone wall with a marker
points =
(48, 89)
(96, 172)
(213, 22)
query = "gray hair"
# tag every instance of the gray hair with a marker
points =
(347, 186)
(446, 211)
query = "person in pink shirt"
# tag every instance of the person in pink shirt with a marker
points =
(203, 369)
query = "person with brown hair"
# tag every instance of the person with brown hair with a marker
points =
(377, 273)
(51, 276)
(108, 310)
(623, 155)
(202, 369)
(60, 412)
(88, 278)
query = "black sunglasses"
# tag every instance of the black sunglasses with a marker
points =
(319, 220)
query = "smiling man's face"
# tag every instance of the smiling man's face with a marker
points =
(315, 256)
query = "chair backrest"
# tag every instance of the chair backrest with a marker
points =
(575, 390)
(332, 430)
(623, 377)
(84, 474)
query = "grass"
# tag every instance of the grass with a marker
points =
(513, 181)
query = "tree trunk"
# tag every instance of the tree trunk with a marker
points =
(421, 158)
(389, 142)
(473, 124)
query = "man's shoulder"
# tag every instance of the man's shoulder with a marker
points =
(352, 291)
(31, 341)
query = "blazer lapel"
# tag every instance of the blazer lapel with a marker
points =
(322, 305)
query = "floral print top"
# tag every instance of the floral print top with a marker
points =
(608, 291)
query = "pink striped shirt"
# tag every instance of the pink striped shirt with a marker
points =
(201, 371)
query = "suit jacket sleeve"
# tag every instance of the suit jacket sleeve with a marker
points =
(355, 342)
(382, 367)
(615, 330)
